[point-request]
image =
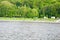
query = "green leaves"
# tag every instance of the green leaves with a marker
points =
(30, 8)
(32, 13)
(6, 8)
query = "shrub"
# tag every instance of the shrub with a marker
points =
(32, 13)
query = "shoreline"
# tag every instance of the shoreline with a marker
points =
(29, 21)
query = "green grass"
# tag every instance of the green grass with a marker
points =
(29, 19)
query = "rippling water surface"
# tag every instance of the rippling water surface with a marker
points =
(16, 30)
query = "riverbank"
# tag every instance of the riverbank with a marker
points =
(30, 19)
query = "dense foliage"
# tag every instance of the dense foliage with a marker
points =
(30, 8)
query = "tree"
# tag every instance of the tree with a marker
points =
(24, 10)
(57, 7)
(7, 9)
(32, 13)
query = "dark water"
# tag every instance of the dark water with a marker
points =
(10, 30)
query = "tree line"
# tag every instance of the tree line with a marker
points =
(30, 8)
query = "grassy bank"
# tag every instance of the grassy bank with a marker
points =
(29, 19)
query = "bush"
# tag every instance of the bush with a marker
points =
(32, 13)
(7, 9)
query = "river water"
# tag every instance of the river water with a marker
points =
(20, 30)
